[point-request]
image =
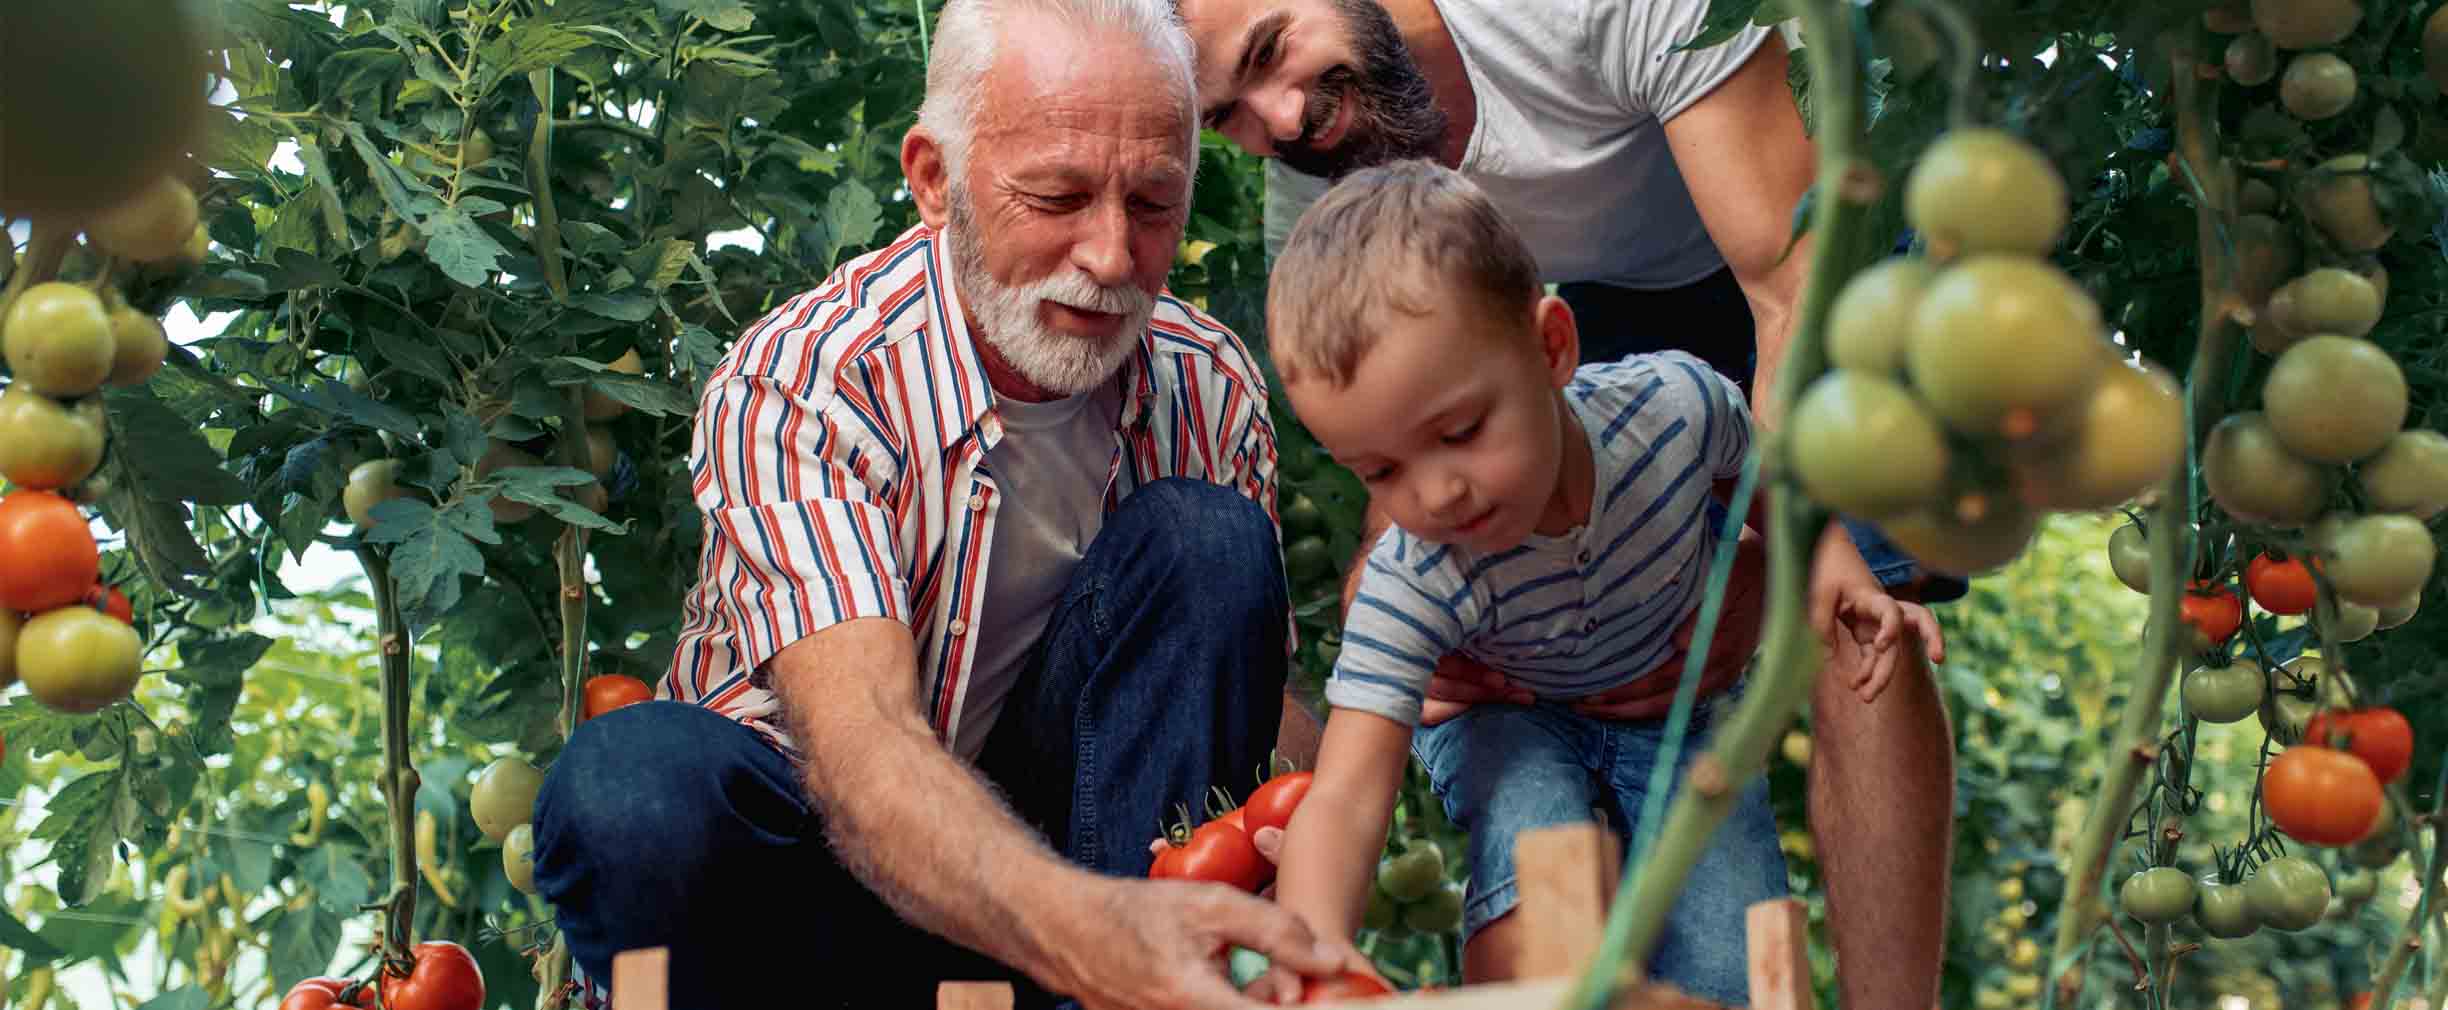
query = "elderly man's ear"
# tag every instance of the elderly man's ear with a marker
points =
(929, 178)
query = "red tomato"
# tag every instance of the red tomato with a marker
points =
(47, 553)
(1272, 805)
(1218, 851)
(2322, 796)
(611, 691)
(445, 978)
(1234, 818)
(2380, 736)
(2281, 587)
(324, 993)
(1351, 985)
(2213, 610)
(109, 600)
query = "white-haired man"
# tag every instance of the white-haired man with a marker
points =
(991, 582)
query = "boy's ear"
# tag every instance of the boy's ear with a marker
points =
(1559, 339)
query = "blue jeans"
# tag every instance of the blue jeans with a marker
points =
(1160, 673)
(1504, 769)
(1710, 319)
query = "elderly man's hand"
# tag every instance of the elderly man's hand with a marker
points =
(1461, 682)
(1163, 944)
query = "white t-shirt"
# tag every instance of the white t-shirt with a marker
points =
(1050, 469)
(1571, 143)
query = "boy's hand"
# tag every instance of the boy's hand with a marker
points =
(1864, 627)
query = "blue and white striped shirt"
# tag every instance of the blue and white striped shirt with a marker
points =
(1571, 615)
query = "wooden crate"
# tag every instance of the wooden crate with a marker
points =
(1567, 875)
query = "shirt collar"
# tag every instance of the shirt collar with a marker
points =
(964, 398)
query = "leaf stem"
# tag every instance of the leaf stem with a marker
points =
(399, 776)
(2170, 539)
(1781, 683)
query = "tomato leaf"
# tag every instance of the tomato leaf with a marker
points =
(167, 453)
(186, 997)
(463, 251)
(416, 355)
(851, 217)
(97, 929)
(429, 555)
(303, 943)
(652, 395)
(530, 45)
(339, 877)
(628, 307)
(34, 728)
(15, 935)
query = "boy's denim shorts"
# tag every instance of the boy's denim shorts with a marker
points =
(1504, 769)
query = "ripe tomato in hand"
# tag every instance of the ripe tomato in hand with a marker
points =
(2322, 796)
(2281, 587)
(323, 993)
(2380, 736)
(2213, 610)
(47, 554)
(1351, 985)
(1217, 851)
(445, 978)
(1272, 805)
(610, 691)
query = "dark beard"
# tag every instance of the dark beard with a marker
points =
(1397, 115)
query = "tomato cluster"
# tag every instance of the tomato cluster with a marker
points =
(1980, 342)
(1223, 849)
(62, 632)
(443, 976)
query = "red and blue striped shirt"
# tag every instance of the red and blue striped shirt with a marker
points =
(835, 463)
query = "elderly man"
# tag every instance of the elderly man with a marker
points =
(991, 582)
(1656, 187)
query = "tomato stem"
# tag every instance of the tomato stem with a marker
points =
(1843, 243)
(399, 777)
(46, 245)
(2170, 536)
(2409, 936)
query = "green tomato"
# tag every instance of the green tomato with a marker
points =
(1438, 913)
(2157, 895)
(2379, 561)
(2225, 910)
(1411, 875)
(2357, 885)
(2289, 893)
(2129, 557)
(2223, 694)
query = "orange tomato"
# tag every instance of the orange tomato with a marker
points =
(2213, 610)
(2281, 587)
(610, 691)
(2321, 796)
(47, 553)
(2379, 736)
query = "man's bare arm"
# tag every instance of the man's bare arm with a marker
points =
(1747, 161)
(891, 795)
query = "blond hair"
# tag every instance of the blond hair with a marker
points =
(1412, 237)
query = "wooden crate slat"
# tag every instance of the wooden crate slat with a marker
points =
(1537, 994)
(1780, 956)
(1566, 877)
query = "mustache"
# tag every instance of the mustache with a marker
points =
(1080, 291)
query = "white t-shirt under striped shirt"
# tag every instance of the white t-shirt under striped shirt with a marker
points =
(1576, 614)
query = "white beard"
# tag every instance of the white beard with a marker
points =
(1057, 362)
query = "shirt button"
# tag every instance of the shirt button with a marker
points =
(1584, 555)
(976, 502)
(958, 628)
(1589, 625)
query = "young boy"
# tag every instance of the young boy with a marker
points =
(1555, 523)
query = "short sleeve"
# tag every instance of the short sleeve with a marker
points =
(797, 539)
(1717, 408)
(1413, 607)
(1654, 76)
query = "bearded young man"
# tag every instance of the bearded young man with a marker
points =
(991, 582)
(1656, 188)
